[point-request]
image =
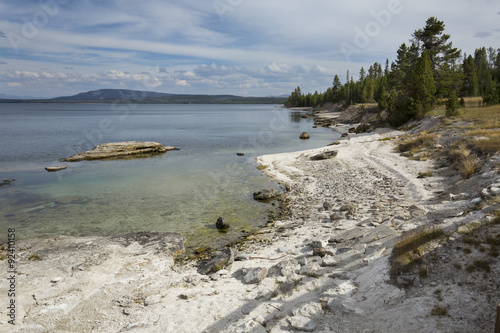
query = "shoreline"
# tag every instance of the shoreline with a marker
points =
(324, 268)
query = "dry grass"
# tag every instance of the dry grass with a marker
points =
(487, 145)
(469, 165)
(485, 115)
(412, 246)
(461, 157)
(484, 134)
(457, 152)
(426, 174)
(414, 144)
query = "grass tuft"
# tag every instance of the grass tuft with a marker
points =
(411, 247)
(415, 144)
(426, 174)
(483, 265)
(439, 311)
(469, 165)
(34, 257)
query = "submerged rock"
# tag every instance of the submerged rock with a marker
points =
(170, 244)
(264, 195)
(67, 199)
(6, 182)
(120, 149)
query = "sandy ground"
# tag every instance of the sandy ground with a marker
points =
(323, 270)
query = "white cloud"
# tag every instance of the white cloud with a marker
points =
(182, 83)
(283, 68)
(22, 75)
(15, 84)
(259, 47)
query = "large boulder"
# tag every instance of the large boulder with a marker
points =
(254, 275)
(304, 135)
(285, 268)
(222, 223)
(120, 149)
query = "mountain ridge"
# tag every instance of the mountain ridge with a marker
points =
(150, 97)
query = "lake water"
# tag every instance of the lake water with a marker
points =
(184, 191)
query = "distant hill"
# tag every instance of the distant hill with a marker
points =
(112, 94)
(150, 97)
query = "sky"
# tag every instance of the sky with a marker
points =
(51, 48)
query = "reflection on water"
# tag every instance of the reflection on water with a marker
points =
(297, 116)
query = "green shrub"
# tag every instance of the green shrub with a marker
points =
(452, 105)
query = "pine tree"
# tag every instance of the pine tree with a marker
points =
(483, 72)
(362, 74)
(382, 98)
(470, 83)
(337, 87)
(423, 86)
(400, 68)
(433, 40)
(497, 67)
(452, 105)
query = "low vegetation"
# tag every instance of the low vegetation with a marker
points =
(410, 249)
(461, 143)
(439, 311)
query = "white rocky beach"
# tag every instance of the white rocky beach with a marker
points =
(325, 268)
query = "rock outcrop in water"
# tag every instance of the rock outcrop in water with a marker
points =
(6, 182)
(222, 223)
(120, 149)
(304, 135)
(264, 195)
(55, 168)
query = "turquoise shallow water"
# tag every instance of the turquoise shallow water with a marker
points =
(184, 191)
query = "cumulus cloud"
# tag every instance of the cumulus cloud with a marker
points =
(14, 84)
(283, 68)
(22, 75)
(182, 83)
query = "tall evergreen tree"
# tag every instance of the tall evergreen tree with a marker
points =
(362, 74)
(483, 72)
(470, 84)
(337, 87)
(400, 68)
(423, 86)
(497, 67)
(433, 40)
